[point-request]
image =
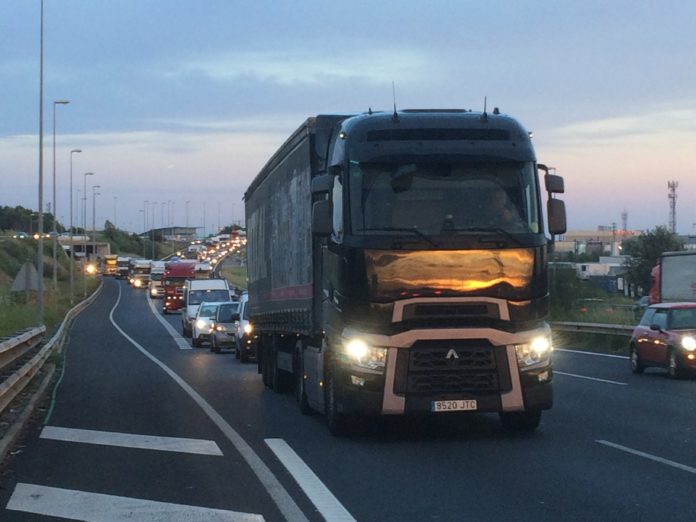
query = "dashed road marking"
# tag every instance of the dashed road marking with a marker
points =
(81, 505)
(654, 458)
(556, 372)
(322, 498)
(128, 440)
(180, 341)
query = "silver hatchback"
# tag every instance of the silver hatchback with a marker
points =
(223, 332)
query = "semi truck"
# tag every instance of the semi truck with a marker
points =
(397, 265)
(673, 279)
(122, 267)
(111, 265)
(176, 273)
(155, 287)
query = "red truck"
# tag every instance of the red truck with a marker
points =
(175, 275)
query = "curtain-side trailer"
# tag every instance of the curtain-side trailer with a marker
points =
(397, 264)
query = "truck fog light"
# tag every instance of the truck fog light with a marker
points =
(357, 381)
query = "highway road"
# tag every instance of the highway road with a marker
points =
(146, 428)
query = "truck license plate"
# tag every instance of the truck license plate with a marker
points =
(458, 405)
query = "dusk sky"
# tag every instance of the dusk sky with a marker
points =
(183, 100)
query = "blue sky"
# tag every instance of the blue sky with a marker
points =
(184, 100)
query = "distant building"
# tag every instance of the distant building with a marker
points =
(603, 241)
(172, 233)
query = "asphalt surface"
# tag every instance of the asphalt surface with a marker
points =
(616, 446)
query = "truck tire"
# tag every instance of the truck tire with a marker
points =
(520, 420)
(298, 370)
(338, 423)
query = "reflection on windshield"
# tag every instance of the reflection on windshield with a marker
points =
(198, 296)
(440, 198)
(682, 319)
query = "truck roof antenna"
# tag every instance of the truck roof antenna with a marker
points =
(395, 116)
(484, 115)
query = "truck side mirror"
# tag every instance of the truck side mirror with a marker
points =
(322, 184)
(554, 184)
(556, 213)
(322, 225)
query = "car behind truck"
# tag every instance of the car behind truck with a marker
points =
(397, 264)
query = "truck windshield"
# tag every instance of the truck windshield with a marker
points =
(436, 197)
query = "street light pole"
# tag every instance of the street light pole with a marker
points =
(55, 211)
(72, 246)
(94, 219)
(39, 261)
(84, 230)
(154, 206)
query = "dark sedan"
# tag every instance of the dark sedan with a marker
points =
(665, 338)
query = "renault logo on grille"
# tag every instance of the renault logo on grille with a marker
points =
(452, 354)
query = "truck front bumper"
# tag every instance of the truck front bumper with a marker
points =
(426, 366)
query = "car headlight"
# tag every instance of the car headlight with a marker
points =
(362, 354)
(534, 353)
(200, 324)
(248, 328)
(137, 283)
(220, 328)
(688, 343)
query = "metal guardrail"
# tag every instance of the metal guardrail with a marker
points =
(13, 348)
(598, 328)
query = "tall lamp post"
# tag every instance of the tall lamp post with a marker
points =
(94, 218)
(54, 233)
(84, 229)
(39, 260)
(72, 246)
(154, 206)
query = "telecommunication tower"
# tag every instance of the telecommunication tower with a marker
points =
(624, 221)
(672, 196)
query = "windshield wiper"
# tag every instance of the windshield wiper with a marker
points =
(489, 230)
(405, 229)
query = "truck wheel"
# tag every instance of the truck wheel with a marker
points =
(300, 393)
(243, 356)
(337, 422)
(520, 420)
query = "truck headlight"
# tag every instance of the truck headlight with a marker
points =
(362, 354)
(248, 328)
(200, 324)
(688, 343)
(535, 353)
(137, 283)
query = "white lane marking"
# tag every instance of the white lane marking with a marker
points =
(275, 489)
(96, 507)
(591, 353)
(655, 458)
(180, 341)
(556, 372)
(325, 502)
(128, 440)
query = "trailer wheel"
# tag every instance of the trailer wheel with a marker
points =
(300, 393)
(520, 420)
(337, 422)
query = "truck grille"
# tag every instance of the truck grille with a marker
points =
(452, 367)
